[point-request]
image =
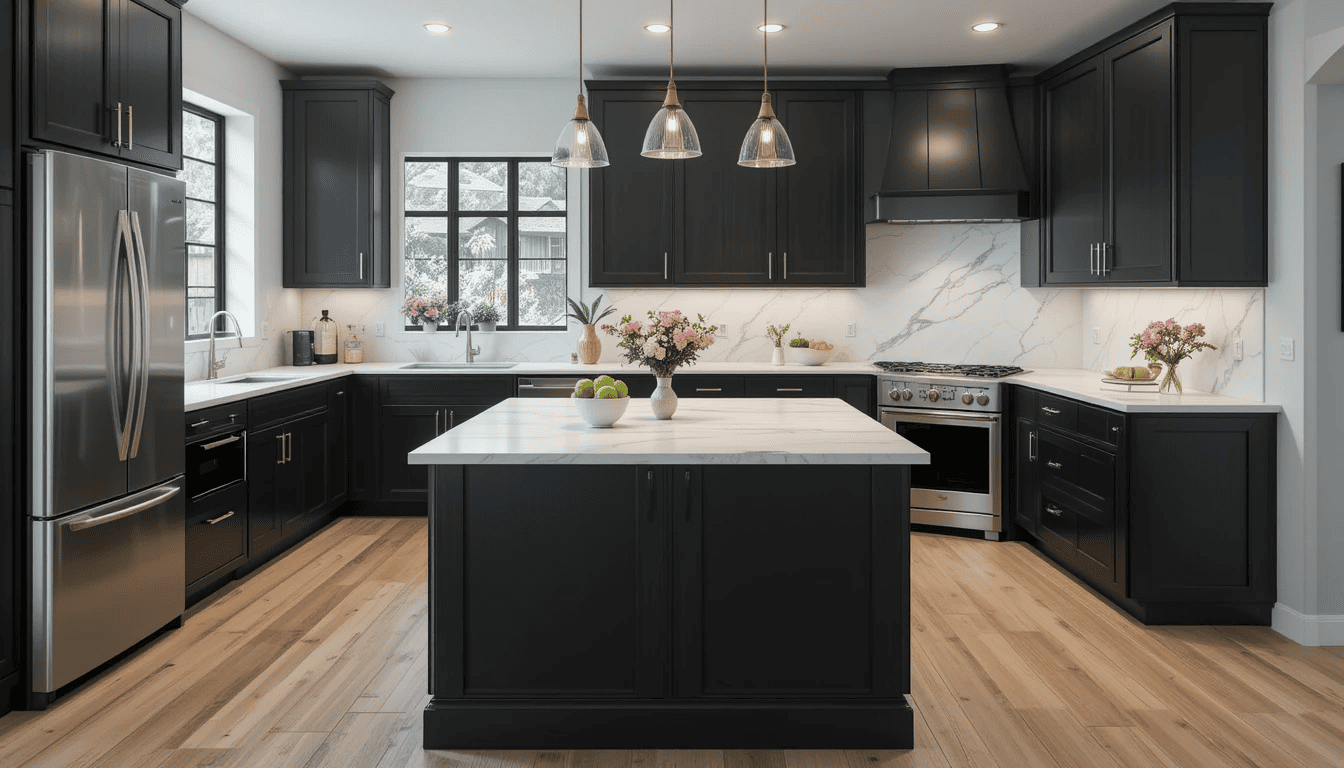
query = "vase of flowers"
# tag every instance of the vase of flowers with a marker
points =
(590, 346)
(1168, 343)
(666, 341)
(428, 310)
(776, 334)
(485, 315)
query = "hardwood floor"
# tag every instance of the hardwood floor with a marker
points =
(319, 660)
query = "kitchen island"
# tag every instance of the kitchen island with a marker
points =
(737, 577)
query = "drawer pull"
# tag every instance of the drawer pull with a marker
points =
(1051, 411)
(1054, 465)
(788, 389)
(220, 519)
(1056, 511)
(217, 443)
(709, 389)
(1115, 429)
(199, 424)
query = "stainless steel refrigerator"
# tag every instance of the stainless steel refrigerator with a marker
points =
(106, 427)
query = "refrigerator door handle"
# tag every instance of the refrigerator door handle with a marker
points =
(122, 408)
(140, 331)
(92, 520)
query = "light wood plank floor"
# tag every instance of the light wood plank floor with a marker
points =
(319, 660)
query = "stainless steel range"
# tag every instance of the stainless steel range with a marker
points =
(955, 412)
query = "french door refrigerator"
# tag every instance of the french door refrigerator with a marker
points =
(107, 513)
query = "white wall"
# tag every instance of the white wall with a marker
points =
(1329, 351)
(245, 85)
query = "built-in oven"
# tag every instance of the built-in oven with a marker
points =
(216, 454)
(961, 486)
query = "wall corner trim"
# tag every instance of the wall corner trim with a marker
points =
(1308, 630)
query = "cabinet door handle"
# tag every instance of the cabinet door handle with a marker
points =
(709, 389)
(220, 519)
(770, 265)
(665, 265)
(130, 127)
(653, 513)
(1115, 429)
(1091, 258)
(452, 419)
(1051, 411)
(786, 265)
(1056, 511)
(202, 423)
(788, 389)
(437, 431)
(289, 447)
(361, 266)
(1104, 251)
(281, 438)
(117, 143)
(340, 393)
(1031, 446)
(688, 496)
(1054, 465)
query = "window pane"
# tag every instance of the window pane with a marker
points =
(199, 311)
(482, 237)
(479, 280)
(198, 137)
(426, 259)
(426, 186)
(200, 266)
(541, 292)
(482, 186)
(541, 187)
(200, 178)
(200, 222)
(541, 238)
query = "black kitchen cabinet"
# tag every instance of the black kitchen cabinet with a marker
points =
(1026, 493)
(364, 439)
(709, 221)
(337, 184)
(858, 391)
(10, 508)
(339, 397)
(287, 480)
(1154, 146)
(7, 94)
(216, 535)
(308, 462)
(106, 77)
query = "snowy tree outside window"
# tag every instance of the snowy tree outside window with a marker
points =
(510, 247)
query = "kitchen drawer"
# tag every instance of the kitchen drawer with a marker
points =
(432, 390)
(790, 386)
(1058, 525)
(1100, 424)
(1083, 535)
(710, 386)
(1080, 470)
(216, 532)
(1057, 412)
(269, 410)
(218, 420)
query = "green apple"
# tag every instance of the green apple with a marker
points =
(584, 388)
(607, 393)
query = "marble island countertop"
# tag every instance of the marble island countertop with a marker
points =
(703, 431)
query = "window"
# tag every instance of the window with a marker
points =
(491, 230)
(202, 169)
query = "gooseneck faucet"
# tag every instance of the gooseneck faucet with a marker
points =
(213, 369)
(472, 352)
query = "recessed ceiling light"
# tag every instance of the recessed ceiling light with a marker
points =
(770, 28)
(437, 28)
(658, 29)
(987, 26)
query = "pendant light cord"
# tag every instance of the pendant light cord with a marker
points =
(671, 39)
(765, 33)
(580, 46)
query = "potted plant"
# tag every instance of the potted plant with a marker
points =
(601, 401)
(666, 341)
(428, 310)
(776, 334)
(1168, 343)
(590, 346)
(485, 315)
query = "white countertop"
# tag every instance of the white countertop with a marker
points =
(1069, 382)
(703, 431)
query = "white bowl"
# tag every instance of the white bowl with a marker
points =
(601, 413)
(807, 356)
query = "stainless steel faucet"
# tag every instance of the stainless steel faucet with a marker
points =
(472, 352)
(213, 369)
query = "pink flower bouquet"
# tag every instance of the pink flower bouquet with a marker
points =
(666, 341)
(1169, 343)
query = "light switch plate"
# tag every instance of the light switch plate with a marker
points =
(378, 329)
(1096, 334)
(1286, 351)
(265, 331)
(723, 330)
(852, 329)
(1238, 349)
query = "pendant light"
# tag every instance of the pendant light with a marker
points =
(580, 145)
(671, 135)
(766, 145)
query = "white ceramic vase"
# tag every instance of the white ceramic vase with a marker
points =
(663, 399)
(429, 326)
(777, 357)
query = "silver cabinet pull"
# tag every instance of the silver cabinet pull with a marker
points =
(289, 447)
(788, 389)
(452, 419)
(1091, 258)
(786, 265)
(200, 423)
(361, 266)
(340, 393)
(770, 265)
(665, 265)
(1102, 250)
(1051, 411)
(220, 519)
(1056, 511)
(117, 142)
(217, 443)
(130, 127)
(437, 431)
(281, 438)
(1031, 446)
(1054, 465)
(709, 389)
(1115, 429)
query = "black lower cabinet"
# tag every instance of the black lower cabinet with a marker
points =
(216, 537)
(10, 509)
(287, 483)
(1026, 493)
(673, 606)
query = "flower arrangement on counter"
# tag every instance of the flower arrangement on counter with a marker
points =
(1169, 343)
(485, 314)
(427, 308)
(667, 341)
(776, 333)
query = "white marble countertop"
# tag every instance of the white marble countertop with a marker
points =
(1069, 382)
(703, 431)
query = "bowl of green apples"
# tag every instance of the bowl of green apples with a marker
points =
(601, 401)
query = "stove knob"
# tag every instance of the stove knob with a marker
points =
(907, 394)
(983, 399)
(933, 395)
(894, 394)
(968, 398)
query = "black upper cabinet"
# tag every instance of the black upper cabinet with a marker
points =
(337, 188)
(1154, 147)
(7, 91)
(710, 221)
(106, 77)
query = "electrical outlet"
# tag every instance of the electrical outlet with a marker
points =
(1096, 334)
(265, 331)
(1286, 349)
(1238, 350)
(379, 329)
(723, 330)
(851, 329)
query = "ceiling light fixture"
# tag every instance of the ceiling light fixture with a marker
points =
(987, 26)
(671, 135)
(658, 29)
(766, 145)
(580, 145)
(770, 28)
(438, 28)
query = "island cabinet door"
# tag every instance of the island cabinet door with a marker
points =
(403, 429)
(549, 582)
(790, 582)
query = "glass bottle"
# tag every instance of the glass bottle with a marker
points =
(324, 340)
(354, 348)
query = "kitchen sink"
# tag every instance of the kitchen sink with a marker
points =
(258, 380)
(457, 366)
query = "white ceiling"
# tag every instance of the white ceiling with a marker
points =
(537, 38)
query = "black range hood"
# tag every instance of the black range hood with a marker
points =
(953, 154)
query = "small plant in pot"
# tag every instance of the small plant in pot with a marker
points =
(601, 401)
(590, 346)
(428, 310)
(485, 315)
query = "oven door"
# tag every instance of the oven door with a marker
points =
(216, 462)
(964, 474)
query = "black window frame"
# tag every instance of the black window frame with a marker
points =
(220, 208)
(511, 214)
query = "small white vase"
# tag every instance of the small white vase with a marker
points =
(777, 357)
(429, 326)
(663, 399)
(487, 327)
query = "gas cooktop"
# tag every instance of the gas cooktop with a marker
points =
(944, 369)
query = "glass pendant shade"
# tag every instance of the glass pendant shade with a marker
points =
(766, 145)
(671, 135)
(580, 145)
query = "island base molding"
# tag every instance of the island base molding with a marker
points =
(460, 725)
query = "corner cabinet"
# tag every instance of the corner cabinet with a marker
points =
(709, 221)
(105, 76)
(337, 184)
(1154, 156)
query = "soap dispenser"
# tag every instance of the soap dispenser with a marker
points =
(354, 348)
(324, 340)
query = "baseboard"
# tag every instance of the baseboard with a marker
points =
(1306, 629)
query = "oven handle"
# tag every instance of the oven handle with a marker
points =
(940, 417)
(218, 443)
